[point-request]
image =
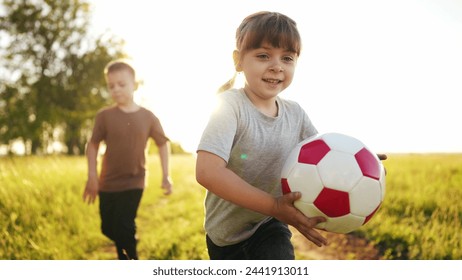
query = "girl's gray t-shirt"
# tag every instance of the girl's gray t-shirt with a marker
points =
(255, 147)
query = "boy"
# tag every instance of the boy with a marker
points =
(125, 128)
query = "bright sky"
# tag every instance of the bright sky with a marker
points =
(387, 72)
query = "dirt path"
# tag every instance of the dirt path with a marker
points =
(341, 247)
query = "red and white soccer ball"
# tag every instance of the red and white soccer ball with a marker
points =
(339, 178)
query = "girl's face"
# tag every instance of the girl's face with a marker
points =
(267, 70)
(121, 85)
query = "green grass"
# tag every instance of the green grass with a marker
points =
(42, 215)
(41, 211)
(421, 217)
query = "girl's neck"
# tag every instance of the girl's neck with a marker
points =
(268, 107)
(271, 110)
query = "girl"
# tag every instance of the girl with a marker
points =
(245, 144)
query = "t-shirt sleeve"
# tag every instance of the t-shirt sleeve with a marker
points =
(157, 132)
(99, 129)
(218, 136)
(308, 129)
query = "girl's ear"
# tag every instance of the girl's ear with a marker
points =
(237, 60)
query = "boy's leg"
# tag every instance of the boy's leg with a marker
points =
(271, 242)
(106, 211)
(126, 209)
(107, 207)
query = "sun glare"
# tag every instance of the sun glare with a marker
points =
(386, 72)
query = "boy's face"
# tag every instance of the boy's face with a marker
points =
(121, 85)
(267, 70)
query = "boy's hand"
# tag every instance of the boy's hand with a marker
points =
(286, 212)
(167, 185)
(91, 190)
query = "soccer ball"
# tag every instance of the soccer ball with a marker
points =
(339, 178)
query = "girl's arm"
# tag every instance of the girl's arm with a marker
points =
(211, 172)
(164, 154)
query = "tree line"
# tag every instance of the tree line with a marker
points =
(51, 74)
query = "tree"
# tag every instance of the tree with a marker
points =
(55, 81)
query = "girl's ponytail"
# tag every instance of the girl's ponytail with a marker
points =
(228, 85)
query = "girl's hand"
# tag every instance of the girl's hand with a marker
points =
(285, 211)
(382, 156)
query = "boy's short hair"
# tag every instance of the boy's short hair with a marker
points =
(119, 64)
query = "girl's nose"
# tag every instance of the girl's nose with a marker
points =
(276, 68)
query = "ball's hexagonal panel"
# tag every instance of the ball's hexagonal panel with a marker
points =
(365, 197)
(344, 224)
(342, 143)
(333, 203)
(310, 210)
(304, 178)
(339, 171)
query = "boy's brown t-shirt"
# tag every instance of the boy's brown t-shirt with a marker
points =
(126, 136)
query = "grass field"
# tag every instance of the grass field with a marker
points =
(422, 214)
(42, 215)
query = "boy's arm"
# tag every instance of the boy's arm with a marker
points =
(91, 188)
(164, 154)
(211, 172)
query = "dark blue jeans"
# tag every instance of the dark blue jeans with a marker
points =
(118, 213)
(270, 242)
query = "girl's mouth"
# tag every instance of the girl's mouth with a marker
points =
(272, 81)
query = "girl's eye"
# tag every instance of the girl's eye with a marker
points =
(263, 56)
(288, 58)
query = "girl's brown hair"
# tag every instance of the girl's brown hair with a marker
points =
(273, 28)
